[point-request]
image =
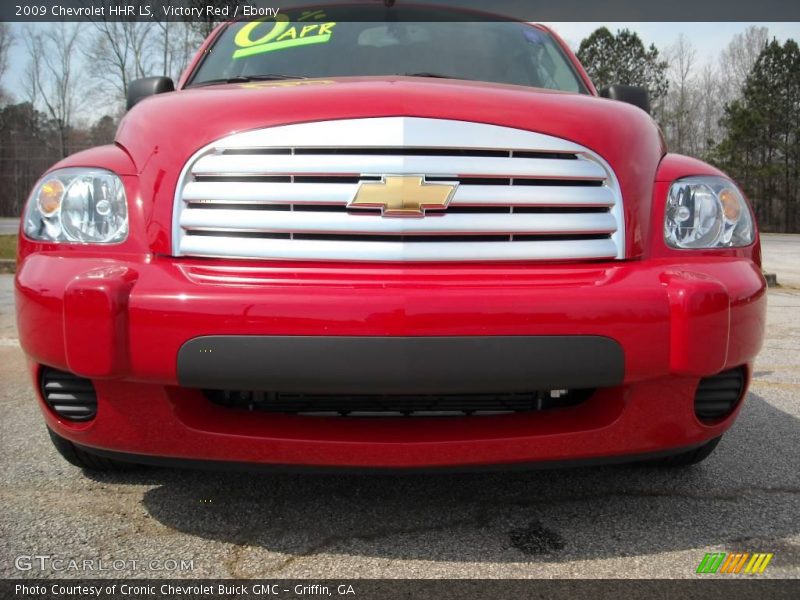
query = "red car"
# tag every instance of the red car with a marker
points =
(387, 244)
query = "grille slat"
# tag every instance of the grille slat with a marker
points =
(71, 398)
(73, 411)
(357, 164)
(283, 193)
(69, 386)
(223, 247)
(265, 193)
(444, 224)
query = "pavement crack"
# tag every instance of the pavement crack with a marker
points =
(231, 562)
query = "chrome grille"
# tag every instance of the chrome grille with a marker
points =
(282, 193)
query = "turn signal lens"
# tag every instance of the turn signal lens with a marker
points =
(49, 197)
(731, 207)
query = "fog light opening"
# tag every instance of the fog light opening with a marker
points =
(719, 395)
(69, 396)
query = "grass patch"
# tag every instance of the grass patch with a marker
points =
(8, 246)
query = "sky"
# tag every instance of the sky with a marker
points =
(708, 39)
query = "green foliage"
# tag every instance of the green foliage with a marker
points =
(8, 246)
(761, 144)
(623, 58)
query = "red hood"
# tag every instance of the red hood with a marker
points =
(162, 132)
(205, 114)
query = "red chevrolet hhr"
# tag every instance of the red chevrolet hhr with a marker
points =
(387, 244)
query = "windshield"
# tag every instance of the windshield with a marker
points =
(316, 44)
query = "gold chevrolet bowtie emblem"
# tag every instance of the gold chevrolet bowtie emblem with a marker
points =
(403, 195)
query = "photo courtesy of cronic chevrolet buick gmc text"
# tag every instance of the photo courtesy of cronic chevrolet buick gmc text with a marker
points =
(392, 244)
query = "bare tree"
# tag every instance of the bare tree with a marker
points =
(119, 53)
(737, 59)
(681, 111)
(177, 41)
(710, 109)
(33, 69)
(6, 40)
(52, 74)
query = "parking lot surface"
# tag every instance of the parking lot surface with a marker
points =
(588, 522)
(9, 226)
(782, 256)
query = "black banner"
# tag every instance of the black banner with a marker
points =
(380, 10)
(715, 588)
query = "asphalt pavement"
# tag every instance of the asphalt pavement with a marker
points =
(781, 255)
(589, 522)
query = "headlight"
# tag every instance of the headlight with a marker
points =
(78, 205)
(707, 212)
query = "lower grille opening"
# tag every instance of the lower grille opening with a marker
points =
(69, 396)
(397, 405)
(718, 396)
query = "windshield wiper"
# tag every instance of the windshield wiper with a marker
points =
(247, 78)
(435, 75)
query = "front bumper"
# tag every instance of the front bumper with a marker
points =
(124, 323)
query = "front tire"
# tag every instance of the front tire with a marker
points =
(86, 460)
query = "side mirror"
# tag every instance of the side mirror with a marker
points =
(149, 86)
(638, 96)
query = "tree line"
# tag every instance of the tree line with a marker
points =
(73, 70)
(740, 112)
